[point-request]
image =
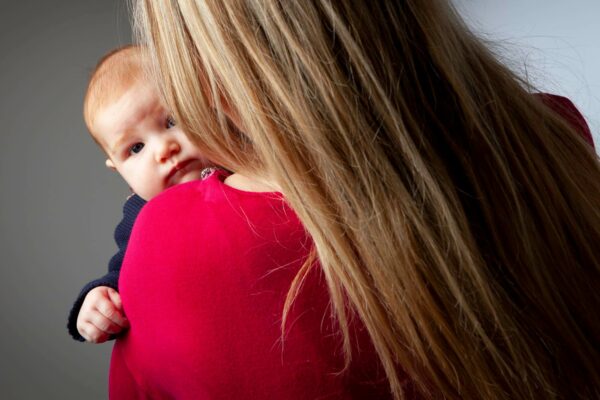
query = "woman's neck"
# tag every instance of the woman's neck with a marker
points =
(251, 183)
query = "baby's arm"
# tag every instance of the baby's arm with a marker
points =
(131, 209)
(110, 280)
(101, 315)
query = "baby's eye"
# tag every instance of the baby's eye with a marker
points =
(136, 148)
(169, 123)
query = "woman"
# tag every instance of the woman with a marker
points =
(453, 214)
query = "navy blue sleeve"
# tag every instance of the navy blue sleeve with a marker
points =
(131, 209)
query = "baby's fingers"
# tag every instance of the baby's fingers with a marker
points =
(115, 297)
(92, 334)
(104, 324)
(112, 313)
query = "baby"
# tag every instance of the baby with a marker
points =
(142, 142)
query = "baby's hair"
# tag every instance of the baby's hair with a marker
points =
(117, 71)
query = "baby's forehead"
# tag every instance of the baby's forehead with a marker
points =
(125, 111)
(138, 101)
(114, 74)
(140, 88)
(139, 98)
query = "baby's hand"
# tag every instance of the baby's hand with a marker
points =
(101, 315)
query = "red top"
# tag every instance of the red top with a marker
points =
(203, 284)
(565, 108)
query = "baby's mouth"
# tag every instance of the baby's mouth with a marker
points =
(180, 169)
(177, 168)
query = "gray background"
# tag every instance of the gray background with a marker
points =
(557, 42)
(59, 205)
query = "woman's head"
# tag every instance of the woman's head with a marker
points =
(450, 209)
(292, 66)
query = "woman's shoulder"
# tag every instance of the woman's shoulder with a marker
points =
(211, 200)
(213, 188)
(566, 109)
(176, 195)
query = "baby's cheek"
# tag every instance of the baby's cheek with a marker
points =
(151, 189)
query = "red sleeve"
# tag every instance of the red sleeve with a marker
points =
(569, 112)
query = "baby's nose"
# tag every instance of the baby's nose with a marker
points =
(167, 150)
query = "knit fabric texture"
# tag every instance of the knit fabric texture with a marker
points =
(131, 209)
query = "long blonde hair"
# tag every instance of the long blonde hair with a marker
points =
(453, 212)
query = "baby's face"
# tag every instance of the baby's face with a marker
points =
(143, 143)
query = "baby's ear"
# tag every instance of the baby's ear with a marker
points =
(110, 164)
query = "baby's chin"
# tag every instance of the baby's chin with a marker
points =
(189, 176)
(185, 177)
